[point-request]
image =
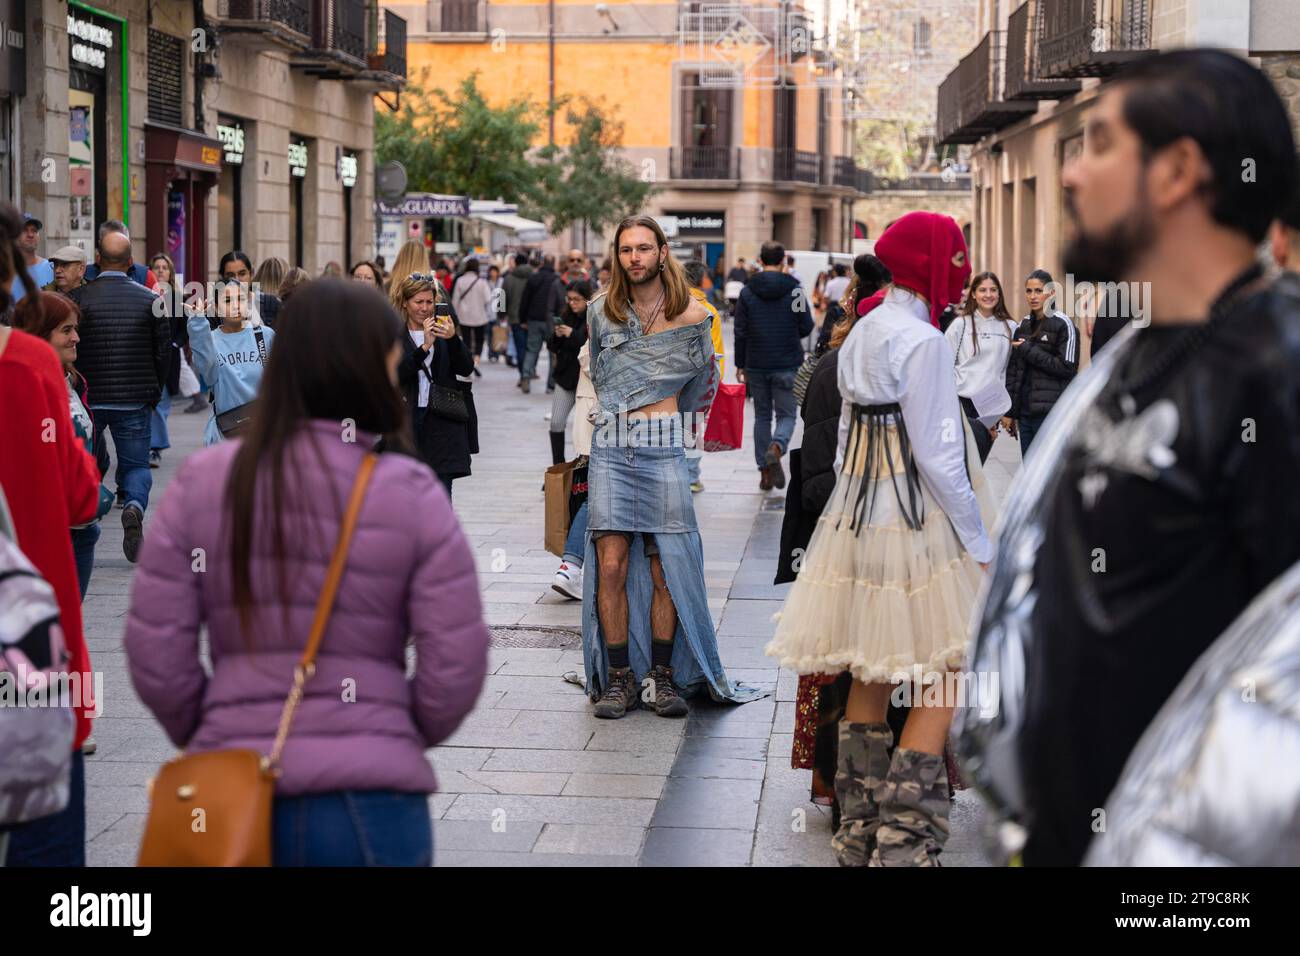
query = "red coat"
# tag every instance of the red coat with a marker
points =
(50, 485)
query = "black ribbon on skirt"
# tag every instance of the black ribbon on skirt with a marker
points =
(870, 424)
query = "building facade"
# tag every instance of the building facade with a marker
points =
(1022, 95)
(204, 126)
(738, 118)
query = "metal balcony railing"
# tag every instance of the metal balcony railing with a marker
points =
(844, 172)
(704, 162)
(1092, 37)
(294, 14)
(928, 182)
(340, 25)
(388, 44)
(1024, 78)
(794, 166)
(972, 100)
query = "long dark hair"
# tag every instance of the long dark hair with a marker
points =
(870, 275)
(13, 265)
(999, 311)
(584, 289)
(329, 362)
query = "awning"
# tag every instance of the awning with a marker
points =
(528, 230)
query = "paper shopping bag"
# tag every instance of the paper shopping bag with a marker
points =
(558, 484)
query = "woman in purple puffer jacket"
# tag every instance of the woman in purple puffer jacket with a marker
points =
(241, 544)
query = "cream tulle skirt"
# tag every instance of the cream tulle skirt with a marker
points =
(886, 599)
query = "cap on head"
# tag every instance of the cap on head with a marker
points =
(30, 220)
(69, 254)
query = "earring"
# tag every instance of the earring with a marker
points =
(661, 265)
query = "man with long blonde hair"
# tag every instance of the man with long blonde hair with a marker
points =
(654, 369)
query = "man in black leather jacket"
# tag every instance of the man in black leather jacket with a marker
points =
(1174, 501)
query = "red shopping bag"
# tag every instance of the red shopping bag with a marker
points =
(725, 430)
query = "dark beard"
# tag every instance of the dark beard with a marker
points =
(1108, 256)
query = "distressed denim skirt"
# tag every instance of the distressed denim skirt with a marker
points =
(638, 479)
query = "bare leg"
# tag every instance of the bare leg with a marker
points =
(611, 587)
(663, 614)
(867, 703)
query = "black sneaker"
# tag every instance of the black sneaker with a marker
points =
(120, 501)
(620, 696)
(155, 458)
(132, 533)
(664, 697)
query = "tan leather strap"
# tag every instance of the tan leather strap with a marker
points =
(324, 605)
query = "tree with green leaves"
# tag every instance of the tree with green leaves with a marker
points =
(588, 182)
(456, 143)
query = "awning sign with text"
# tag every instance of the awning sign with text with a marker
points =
(426, 205)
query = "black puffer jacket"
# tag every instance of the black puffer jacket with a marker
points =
(542, 298)
(821, 432)
(812, 465)
(126, 346)
(1041, 369)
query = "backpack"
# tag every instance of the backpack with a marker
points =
(36, 731)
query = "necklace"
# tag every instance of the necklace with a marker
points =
(654, 313)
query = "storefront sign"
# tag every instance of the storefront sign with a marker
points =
(298, 158)
(348, 169)
(13, 53)
(232, 142)
(700, 223)
(88, 42)
(426, 206)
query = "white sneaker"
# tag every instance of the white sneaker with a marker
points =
(568, 581)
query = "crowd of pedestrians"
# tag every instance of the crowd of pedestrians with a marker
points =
(314, 542)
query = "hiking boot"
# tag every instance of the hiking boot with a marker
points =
(764, 479)
(862, 762)
(913, 804)
(620, 696)
(132, 533)
(527, 386)
(776, 474)
(664, 697)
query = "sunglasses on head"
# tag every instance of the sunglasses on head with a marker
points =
(422, 277)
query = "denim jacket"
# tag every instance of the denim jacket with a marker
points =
(631, 370)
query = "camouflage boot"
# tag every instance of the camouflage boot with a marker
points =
(913, 811)
(620, 696)
(861, 764)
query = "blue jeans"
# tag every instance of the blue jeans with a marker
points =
(130, 430)
(158, 437)
(575, 545)
(1027, 428)
(771, 388)
(352, 828)
(693, 467)
(536, 342)
(83, 552)
(57, 840)
(519, 336)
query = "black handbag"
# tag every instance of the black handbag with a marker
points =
(234, 421)
(446, 402)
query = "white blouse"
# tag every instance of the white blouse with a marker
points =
(893, 354)
(982, 375)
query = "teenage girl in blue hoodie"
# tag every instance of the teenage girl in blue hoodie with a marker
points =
(229, 358)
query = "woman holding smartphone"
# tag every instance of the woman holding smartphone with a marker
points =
(432, 356)
(566, 342)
